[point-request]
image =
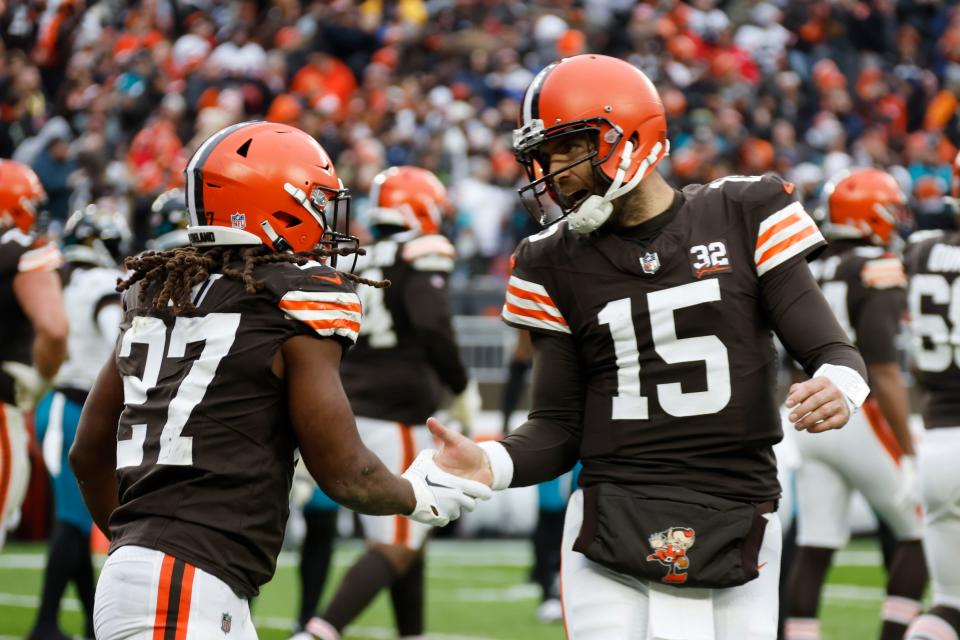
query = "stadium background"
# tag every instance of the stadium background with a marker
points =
(106, 100)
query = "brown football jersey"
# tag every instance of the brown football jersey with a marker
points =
(19, 252)
(866, 289)
(205, 449)
(406, 350)
(673, 336)
(933, 266)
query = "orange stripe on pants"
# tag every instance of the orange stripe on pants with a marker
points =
(6, 460)
(882, 429)
(163, 598)
(402, 534)
(186, 591)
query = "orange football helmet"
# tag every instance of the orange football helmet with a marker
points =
(864, 203)
(610, 100)
(21, 195)
(264, 183)
(408, 197)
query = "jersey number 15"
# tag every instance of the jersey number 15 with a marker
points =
(629, 403)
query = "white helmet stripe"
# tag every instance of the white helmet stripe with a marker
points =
(531, 106)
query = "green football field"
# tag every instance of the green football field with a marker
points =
(476, 589)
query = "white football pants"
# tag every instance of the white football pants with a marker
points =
(396, 445)
(938, 457)
(864, 455)
(14, 467)
(145, 594)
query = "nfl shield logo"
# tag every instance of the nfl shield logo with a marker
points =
(238, 220)
(650, 262)
(225, 622)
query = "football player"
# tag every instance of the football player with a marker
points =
(168, 221)
(405, 356)
(227, 361)
(33, 324)
(652, 312)
(933, 265)
(865, 284)
(95, 240)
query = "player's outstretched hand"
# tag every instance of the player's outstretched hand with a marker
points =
(441, 496)
(817, 405)
(460, 455)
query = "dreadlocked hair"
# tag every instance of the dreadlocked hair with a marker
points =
(177, 271)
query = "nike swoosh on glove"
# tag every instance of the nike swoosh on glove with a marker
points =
(440, 495)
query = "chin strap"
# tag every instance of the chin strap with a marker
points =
(596, 209)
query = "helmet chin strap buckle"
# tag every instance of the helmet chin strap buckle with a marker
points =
(279, 244)
(590, 215)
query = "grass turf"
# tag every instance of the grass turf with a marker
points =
(476, 589)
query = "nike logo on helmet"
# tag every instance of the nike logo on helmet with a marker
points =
(434, 484)
(335, 278)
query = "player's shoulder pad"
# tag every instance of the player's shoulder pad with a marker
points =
(541, 248)
(923, 235)
(40, 255)
(753, 190)
(317, 295)
(883, 272)
(429, 253)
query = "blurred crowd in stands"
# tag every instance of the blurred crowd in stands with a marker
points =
(107, 99)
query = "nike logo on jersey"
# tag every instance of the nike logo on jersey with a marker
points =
(336, 278)
(430, 483)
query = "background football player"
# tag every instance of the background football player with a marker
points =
(405, 357)
(228, 360)
(33, 324)
(168, 221)
(95, 240)
(651, 312)
(864, 282)
(933, 265)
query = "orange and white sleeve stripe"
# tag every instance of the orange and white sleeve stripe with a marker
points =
(783, 235)
(327, 312)
(430, 253)
(883, 273)
(528, 304)
(45, 258)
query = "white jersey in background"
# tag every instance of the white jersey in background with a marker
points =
(92, 301)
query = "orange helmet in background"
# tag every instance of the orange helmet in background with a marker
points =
(21, 195)
(863, 203)
(408, 197)
(264, 183)
(616, 105)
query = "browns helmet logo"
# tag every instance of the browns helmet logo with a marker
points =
(670, 549)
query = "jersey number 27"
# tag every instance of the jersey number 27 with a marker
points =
(217, 331)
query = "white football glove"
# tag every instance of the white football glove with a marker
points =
(466, 405)
(909, 493)
(29, 385)
(441, 495)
